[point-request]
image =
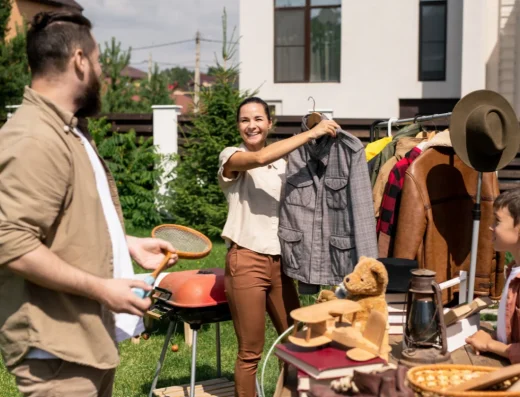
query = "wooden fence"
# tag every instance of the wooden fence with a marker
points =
(285, 126)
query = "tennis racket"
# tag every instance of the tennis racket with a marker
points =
(189, 243)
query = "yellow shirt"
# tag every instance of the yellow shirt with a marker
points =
(374, 148)
(253, 204)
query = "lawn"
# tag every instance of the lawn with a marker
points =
(138, 361)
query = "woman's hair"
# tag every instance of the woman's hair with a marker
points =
(254, 99)
(509, 199)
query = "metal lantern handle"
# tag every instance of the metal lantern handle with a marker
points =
(440, 314)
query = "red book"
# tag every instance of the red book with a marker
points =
(324, 362)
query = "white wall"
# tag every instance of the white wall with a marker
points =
(379, 59)
(480, 38)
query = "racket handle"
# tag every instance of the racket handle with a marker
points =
(141, 293)
(162, 266)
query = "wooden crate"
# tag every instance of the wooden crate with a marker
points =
(220, 387)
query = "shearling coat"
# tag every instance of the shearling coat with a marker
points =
(435, 220)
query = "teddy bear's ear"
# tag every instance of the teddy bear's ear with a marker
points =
(379, 271)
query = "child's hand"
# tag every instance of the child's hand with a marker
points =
(479, 341)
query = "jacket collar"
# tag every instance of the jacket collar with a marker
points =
(65, 117)
(441, 139)
(318, 149)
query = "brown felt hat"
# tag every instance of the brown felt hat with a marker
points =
(484, 131)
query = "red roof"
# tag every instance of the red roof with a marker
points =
(186, 101)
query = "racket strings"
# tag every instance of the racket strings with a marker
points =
(182, 240)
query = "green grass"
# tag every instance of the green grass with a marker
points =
(138, 361)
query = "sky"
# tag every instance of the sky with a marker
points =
(142, 23)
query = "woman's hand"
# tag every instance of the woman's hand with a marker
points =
(480, 341)
(324, 127)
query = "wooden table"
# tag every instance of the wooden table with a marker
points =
(463, 356)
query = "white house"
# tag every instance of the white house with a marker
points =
(378, 58)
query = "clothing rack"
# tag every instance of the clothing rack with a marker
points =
(476, 208)
(394, 121)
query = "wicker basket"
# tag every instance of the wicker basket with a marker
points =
(432, 380)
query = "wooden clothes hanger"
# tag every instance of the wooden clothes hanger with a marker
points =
(314, 118)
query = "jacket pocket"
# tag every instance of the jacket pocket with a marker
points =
(299, 191)
(336, 192)
(341, 254)
(37, 370)
(292, 247)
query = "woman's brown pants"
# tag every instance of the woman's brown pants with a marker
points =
(256, 283)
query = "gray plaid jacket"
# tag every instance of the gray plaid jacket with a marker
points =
(326, 215)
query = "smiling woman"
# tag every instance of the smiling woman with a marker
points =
(251, 176)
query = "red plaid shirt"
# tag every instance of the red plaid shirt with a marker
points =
(392, 195)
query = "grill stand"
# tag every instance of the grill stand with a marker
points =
(195, 329)
(169, 334)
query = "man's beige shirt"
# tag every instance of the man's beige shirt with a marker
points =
(253, 204)
(48, 196)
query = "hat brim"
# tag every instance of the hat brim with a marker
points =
(461, 136)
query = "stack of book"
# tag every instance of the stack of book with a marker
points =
(322, 365)
(396, 303)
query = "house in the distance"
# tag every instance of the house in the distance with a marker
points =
(185, 98)
(134, 74)
(24, 11)
(376, 59)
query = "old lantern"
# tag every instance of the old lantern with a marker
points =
(425, 330)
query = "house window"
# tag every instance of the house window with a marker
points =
(307, 43)
(432, 40)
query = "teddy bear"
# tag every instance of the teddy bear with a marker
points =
(366, 285)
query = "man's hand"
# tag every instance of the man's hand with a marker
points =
(150, 252)
(479, 341)
(117, 296)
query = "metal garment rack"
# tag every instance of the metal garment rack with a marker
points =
(476, 208)
(395, 121)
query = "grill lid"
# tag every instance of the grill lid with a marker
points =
(195, 288)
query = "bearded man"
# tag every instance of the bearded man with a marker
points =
(65, 260)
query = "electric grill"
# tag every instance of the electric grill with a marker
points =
(195, 297)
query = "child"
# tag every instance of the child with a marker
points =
(506, 237)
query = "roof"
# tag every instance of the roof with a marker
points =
(61, 3)
(205, 80)
(186, 101)
(133, 73)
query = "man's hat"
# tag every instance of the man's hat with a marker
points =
(484, 131)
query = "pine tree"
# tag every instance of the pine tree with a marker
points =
(14, 68)
(155, 91)
(5, 12)
(179, 76)
(118, 90)
(196, 199)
